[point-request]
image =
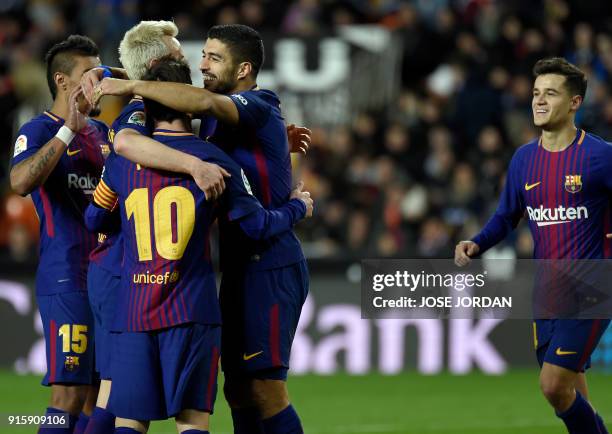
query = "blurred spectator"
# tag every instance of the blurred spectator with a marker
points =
(19, 222)
(302, 17)
(435, 241)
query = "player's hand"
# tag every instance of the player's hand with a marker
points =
(304, 196)
(89, 81)
(464, 252)
(608, 236)
(112, 86)
(299, 139)
(209, 177)
(76, 120)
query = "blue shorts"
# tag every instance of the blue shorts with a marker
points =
(102, 288)
(158, 374)
(260, 311)
(68, 326)
(568, 343)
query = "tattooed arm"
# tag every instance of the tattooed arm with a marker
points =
(34, 171)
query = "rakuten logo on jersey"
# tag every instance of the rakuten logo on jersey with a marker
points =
(555, 216)
(87, 183)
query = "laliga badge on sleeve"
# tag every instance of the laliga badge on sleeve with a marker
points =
(20, 145)
(137, 118)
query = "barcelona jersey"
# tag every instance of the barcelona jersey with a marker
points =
(167, 276)
(65, 243)
(109, 253)
(259, 145)
(565, 197)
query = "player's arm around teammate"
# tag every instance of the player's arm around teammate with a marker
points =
(192, 99)
(178, 96)
(150, 153)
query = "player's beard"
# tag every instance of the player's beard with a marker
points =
(223, 83)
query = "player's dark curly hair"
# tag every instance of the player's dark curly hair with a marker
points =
(166, 69)
(575, 79)
(60, 57)
(243, 42)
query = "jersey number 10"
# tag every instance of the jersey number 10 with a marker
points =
(168, 247)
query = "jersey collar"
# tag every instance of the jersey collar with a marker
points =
(53, 116)
(578, 140)
(162, 132)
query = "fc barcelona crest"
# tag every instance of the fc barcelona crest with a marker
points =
(71, 363)
(573, 183)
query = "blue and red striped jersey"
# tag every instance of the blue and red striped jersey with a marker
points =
(259, 145)
(109, 252)
(61, 201)
(565, 196)
(167, 276)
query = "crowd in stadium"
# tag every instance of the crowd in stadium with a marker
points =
(407, 181)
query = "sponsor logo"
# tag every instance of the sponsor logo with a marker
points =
(241, 99)
(560, 352)
(21, 144)
(148, 278)
(87, 183)
(246, 183)
(573, 183)
(554, 216)
(71, 153)
(530, 186)
(246, 357)
(137, 118)
(71, 363)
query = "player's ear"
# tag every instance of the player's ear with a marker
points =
(60, 81)
(575, 102)
(244, 69)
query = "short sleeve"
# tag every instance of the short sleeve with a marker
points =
(31, 137)
(208, 125)
(133, 116)
(252, 110)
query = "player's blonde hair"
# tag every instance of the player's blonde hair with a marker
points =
(143, 43)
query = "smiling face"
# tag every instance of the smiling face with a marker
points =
(552, 104)
(218, 67)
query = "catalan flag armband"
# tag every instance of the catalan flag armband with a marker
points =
(105, 197)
